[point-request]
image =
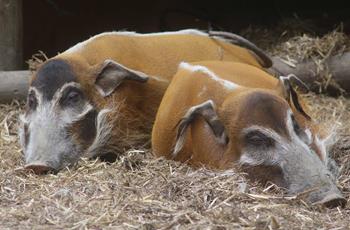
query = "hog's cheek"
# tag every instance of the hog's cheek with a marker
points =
(84, 131)
(266, 173)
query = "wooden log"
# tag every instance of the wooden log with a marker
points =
(11, 54)
(13, 85)
(336, 67)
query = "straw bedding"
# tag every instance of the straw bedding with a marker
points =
(142, 192)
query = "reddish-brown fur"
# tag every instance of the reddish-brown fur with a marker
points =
(134, 104)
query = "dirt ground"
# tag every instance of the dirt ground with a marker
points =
(141, 192)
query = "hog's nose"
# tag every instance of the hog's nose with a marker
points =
(333, 200)
(39, 169)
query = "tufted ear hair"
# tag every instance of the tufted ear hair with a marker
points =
(207, 111)
(112, 74)
(288, 92)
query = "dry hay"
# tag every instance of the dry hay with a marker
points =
(36, 60)
(295, 43)
(296, 39)
(142, 192)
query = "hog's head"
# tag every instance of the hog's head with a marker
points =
(66, 111)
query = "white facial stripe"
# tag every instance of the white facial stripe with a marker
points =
(38, 94)
(103, 132)
(42, 122)
(291, 131)
(308, 135)
(46, 112)
(269, 132)
(289, 124)
(49, 140)
(263, 158)
(81, 45)
(74, 84)
(68, 118)
(246, 159)
(198, 68)
(88, 107)
(58, 94)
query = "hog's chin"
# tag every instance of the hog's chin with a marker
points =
(71, 157)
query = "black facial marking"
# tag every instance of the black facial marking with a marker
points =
(266, 173)
(296, 126)
(26, 135)
(87, 127)
(51, 76)
(266, 110)
(109, 157)
(258, 139)
(297, 104)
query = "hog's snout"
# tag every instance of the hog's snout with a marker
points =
(39, 168)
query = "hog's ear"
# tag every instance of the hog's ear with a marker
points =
(289, 93)
(207, 111)
(112, 74)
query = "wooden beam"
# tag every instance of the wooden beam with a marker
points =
(11, 54)
(14, 85)
(336, 66)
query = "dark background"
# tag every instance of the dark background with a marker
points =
(55, 25)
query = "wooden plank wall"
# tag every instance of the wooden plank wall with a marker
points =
(11, 35)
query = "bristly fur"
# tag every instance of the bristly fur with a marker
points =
(113, 134)
(103, 133)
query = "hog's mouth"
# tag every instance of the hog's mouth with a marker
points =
(326, 194)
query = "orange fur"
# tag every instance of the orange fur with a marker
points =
(135, 104)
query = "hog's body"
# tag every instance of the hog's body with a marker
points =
(222, 114)
(101, 96)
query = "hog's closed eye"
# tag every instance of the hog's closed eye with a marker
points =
(258, 139)
(71, 97)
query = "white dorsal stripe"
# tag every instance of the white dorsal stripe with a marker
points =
(81, 45)
(158, 79)
(198, 68)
